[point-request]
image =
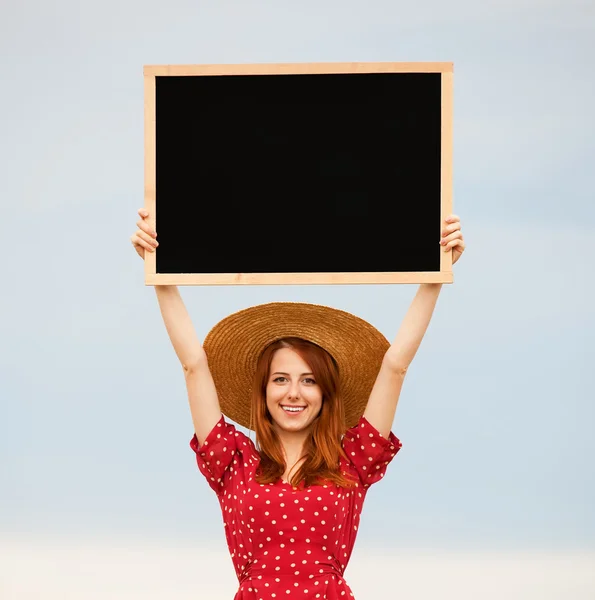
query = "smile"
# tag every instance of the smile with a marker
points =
(293, 409)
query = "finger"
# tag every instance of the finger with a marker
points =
(147, 238)
(450, 228)
(144, 226)
(451, 219)
(458, 243)
(140, 243)
(145, 216)
(144, 241)
(453, 236)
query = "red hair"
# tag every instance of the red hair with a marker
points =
(322, 447)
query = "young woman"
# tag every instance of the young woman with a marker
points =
(319, 387)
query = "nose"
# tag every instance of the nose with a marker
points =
(294, 390)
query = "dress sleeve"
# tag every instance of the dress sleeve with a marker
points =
(216, 455)
(368, 452)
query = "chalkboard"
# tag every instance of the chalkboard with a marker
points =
(298, 173)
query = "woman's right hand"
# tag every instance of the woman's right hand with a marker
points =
(144, 237)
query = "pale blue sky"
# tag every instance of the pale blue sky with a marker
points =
(496, 414)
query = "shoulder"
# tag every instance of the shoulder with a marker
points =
(226, 437)
(365, 432)
(367, 452)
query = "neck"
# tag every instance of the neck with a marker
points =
(293, 444)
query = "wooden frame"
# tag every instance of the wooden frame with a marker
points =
(445, 274)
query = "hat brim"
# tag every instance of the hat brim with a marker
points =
(234, 345)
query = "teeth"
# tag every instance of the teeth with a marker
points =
(293, 409)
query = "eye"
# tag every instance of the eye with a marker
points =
(309, 381)
(279, 379)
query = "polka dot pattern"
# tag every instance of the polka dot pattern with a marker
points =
(284, 542)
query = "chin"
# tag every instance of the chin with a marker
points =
(293, 426)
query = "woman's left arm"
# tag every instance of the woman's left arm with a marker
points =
(382, 404)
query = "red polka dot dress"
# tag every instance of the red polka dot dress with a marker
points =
(287, 543)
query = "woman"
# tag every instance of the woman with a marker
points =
(320, 387)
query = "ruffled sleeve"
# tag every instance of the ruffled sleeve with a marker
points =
(216, 455)
(368, 452)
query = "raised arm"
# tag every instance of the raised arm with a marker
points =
(202, 396)
(382, 404)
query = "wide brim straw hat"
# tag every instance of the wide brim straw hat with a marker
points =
(234, 345)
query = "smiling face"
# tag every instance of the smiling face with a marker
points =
(293, 397)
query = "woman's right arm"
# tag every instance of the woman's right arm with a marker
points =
(202, 395)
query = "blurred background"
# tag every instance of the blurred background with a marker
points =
(492, 494)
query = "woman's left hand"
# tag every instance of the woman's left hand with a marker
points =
(452, 237)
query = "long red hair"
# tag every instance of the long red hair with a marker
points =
(322, 448)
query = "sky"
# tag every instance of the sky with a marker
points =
(492, 494)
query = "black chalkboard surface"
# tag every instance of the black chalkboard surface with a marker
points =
(311, 173)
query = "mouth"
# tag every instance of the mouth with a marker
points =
(293, 410)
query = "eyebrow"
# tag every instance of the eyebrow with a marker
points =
(282, 373)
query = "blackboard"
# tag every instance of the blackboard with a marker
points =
(309, 173)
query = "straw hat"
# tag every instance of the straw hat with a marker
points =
(235, 343)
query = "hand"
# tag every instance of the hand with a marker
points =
(452, 237)
(144, 236)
